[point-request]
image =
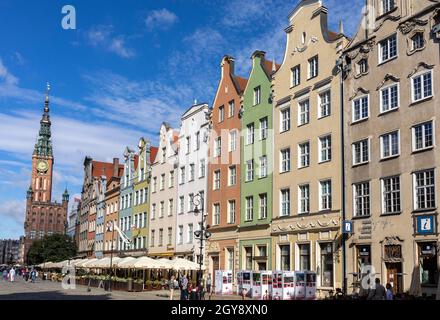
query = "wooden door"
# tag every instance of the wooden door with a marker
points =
(215, 266)
(394, 276)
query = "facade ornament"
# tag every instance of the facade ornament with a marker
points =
(409, 25)
(419, 66)
(301, 226)
(389, 17)
(387, 78)
(359, 90)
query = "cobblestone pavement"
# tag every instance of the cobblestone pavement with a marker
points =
(48, 290)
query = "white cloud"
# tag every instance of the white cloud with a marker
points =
(103, 36)
(238, 13)
(160, 19)
(118, 46)
(6, 77)
(14, 209)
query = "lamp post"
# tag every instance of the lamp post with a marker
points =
(203, 234)
(111, 227)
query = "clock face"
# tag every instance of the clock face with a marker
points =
(42, 166)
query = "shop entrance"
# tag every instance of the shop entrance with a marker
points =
(394, 276)
(215, 266)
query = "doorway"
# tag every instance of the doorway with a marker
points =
(215, 266)
(394, 276)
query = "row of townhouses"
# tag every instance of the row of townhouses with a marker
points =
(325, 162)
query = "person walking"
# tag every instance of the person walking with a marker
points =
(184, 288)
(33, 276)
(5, 275)
(378, 293)
(171, 285)
(389, 294)
(12, 275)
(208, 283)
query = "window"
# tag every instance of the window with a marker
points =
(231, 211)
(217, 180)
(389, 145)
(387, 6)
(285, 257)
(313, 67)
(263, 128)
(304, 256)
(424, 190)
(180, 235)
(232, 175)
(285, 160)
(263, 206)
(190, 233)
(249, 208)
(221, 114)
(249, 258)
(230, 254)
(325, 195)
(361, 109)
(285, 202)
(190, 202)
(304, 155)
(170, 207)
(363, 66)
(428, 253)
(304, 112)
(285, 120)
(326, 264)
(388, 49)
(182, 175)
(192, 172)
(263, 166)
(325, 149)
(153, 211)
(160, 237)
(362, 199)
(417, 41)
(250, 134)
(249, 170)
(391, 195)
(170, 236)
(262, 250)
(324, 104)
(181, 204)
(162, 181)
(197, 140)
(232, 141)
(231, 108)
(216, 214)
(296, 76)
(153, 232)
(202, 168)
(162, 209)
(218, 147)
(154, 187)
(188, 145)
(361, 153)
(257, 95)
(389, 98)
(423, 136)
(304, 199)
(422, 86)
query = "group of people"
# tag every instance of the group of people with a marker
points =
(379, 292)
(188, 291)
(9, 275)
(12, 273)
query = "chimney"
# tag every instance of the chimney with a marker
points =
(115, 167)
(227, 65)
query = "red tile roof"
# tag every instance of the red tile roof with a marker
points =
(241, 82)
(268, 66)
(104, 169)
(136, 161)
(153, 153)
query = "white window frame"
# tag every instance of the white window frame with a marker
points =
(360, 99)
(216, 181)
(217, 147)
(328, 149)
(262, 206)
(388, 90)
(413, 136)
(263, 166)
(250, 133)
(285, 121)
(232, 140)
(422, 76)
(264, 128)
(295, 76)
(329, 195)
(353, 146)
(216, 214)
(388, 136)
(302, 198)
(250, 170)
(232, 175)
(286, 161)
(381, 48)
(231, 213)
(257, 95)
(313, 67)
(249, 209)
(328, 104)
(301, 155)
(392, 193)
(416, 205)
(306, 112)
(231, 111)
(356, 196)
(288, 202)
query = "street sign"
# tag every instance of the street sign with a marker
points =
(425, 224)
(347, 226)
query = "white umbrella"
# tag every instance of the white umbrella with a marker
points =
(104, 263)
(147, 263)
(126, 263)
(164, 263)
(86, 264)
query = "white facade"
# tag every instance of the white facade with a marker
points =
(191, 179)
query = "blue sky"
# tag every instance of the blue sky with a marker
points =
(127, 67)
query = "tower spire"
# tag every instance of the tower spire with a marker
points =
(43, 146)
(46, 102)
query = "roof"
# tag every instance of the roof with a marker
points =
(104, 168)
(136, 161)
(241, 82)
(153, 153)
(268, 66)
(333, 35)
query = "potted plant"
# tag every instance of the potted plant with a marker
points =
(148, 285)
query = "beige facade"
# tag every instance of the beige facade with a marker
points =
(391, 104)
(307, 149)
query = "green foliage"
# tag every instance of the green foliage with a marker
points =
(54, 248)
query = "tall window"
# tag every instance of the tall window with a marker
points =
(363, 66)
(190, 233)
(324, 104)
(218, 147)
(232, 175)
(389, 144)
(304, 155)
(423, 136)
(162, 181)
(153, 211)
(422, 86)
(202, 168)
(387, 6)
(418, 41)
(154, 187)
(250, 170)
(170, 207)
(190, 202)
(232, 140)
(285, 257)
(162, 209)
(325, 201)
(160, 237)
(313, 67)
(249, 258)
(285, 120)
(153, 232)
(221, 114)
(391, 195)
(304, 199)
(230, 254)
(296, 76)
(170, 236)
(285, 202)
(361, 153)
(388, 49)
(360, 109)
(285, 160)
(304, 112)
(197, 140)
(217, 180)
(257, 95)
(216, 214)
(326, 265)
(389, 98)
(250, 134)
(263, 166)
(231, 108)
(263, 206)
(192, 172)
(182, 175)
(180, 235)
(231, 211)
(361, 199)
(424, 190)
(171, 182)
(188, 145)
(249, 208)
(325, 148)
(263, 128)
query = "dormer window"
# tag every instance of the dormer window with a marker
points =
(387, 6)
(418, 42)
(363, 66)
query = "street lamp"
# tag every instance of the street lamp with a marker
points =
(203, 234)
(111, 227)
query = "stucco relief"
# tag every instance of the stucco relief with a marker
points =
(387, 78)
(388, 17)
(409, 25)
(301, 49)
(421, 65)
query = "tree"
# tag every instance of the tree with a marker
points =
(54, 248)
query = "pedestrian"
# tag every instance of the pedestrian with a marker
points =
(266, 296)
(33, 276)
(390, 295)
(208, 283)
(171, 285)
(5, 275)
(378, 293)
(12, 275)
(184, 288)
